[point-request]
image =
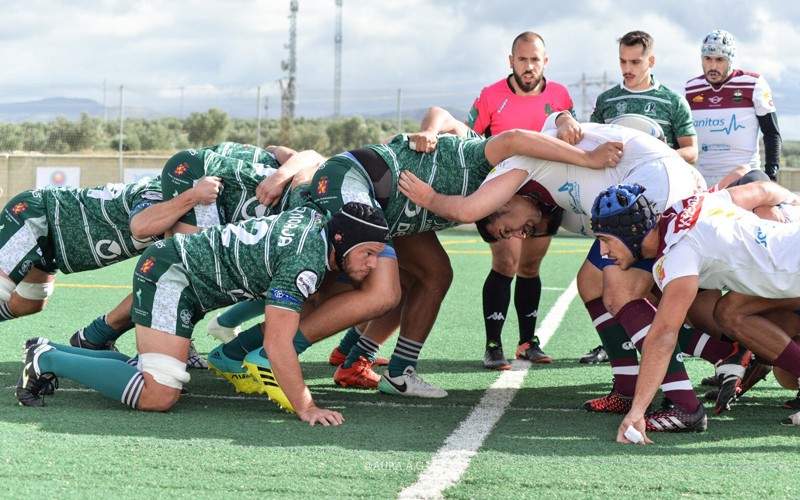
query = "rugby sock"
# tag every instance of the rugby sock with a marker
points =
(406, 353)
(253, 339)
(300, 342)
(99, 332)
(249, 340)
(789, 359)
(702, 345)
(5, 313)
(365, 348)
(636, 317)
(527, 294)
(241, 313)
(90, 353)
(496, 298)
(350, 339)
(113, 378)
(621, 353)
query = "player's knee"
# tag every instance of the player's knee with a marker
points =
(6, 289)
(169, 375)
(728, 316)
(37, 292)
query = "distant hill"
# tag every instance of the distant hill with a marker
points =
(46, 110)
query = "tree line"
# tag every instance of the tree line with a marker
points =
(328, 136)
(88, 134)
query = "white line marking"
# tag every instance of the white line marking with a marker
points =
(454, 456)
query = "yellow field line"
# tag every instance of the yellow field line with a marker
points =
(487, 252)
(80, 285)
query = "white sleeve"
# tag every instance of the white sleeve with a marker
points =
(680, 261)
(762, 97)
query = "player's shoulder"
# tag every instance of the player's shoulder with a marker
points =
(499, 87)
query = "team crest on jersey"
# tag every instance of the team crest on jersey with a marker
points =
(148, 264)
(25, 267)
(698, 98)
(621, 107)
(322, 185)
(660, 271)
(306, 282)
(186, 318)
(738, 96)
(19, 208)
(181, 169)
(716, 99)
(650, 108)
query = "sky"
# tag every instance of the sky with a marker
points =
(396, 56)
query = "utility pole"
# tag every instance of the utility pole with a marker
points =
(288, 96)
(337, 73)
(583, 84)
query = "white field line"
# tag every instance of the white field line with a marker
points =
(454, 456)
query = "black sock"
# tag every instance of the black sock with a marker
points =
(527, 293)
(496, 297)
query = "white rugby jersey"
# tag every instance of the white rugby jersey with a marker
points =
(645, 160)
(728, 248)
(726, 120)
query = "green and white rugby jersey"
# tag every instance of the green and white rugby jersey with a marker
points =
(246, 152)
(237, 200)
(669, 109)
(91, 227)
(281, 259)
(456, 167)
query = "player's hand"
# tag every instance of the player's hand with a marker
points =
(606, 155)
(413, 188)
(424, 142)
(632, 431)
(314, 415)
(207, 189)
(569, 129)
(269, 190)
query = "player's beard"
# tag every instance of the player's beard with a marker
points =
(526, 87)
(355, 277)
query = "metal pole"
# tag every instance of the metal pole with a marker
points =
(399, 116)
(121, 127)
(258, 117)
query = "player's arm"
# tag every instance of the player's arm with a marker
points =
(436, 121)
(280, 329)
(568, 128)
(657, 349)
(756, 194)
(492, 195)
(527, 143)
(772, 144)
(282, 153)
(158, 218)
(269, 190)
(687, 148)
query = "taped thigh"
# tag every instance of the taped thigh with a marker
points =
(166, 370)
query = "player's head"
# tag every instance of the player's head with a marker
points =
(358, 233)
(521, 217)
(622, 211)
(636, 59)
(718, 52)
(528, 59)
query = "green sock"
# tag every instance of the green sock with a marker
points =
(90, 353)
(349, 340)
(99, 332)
(249, 340)
(300, 342)
(107, 376)
(240, 313)
(252, 339)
